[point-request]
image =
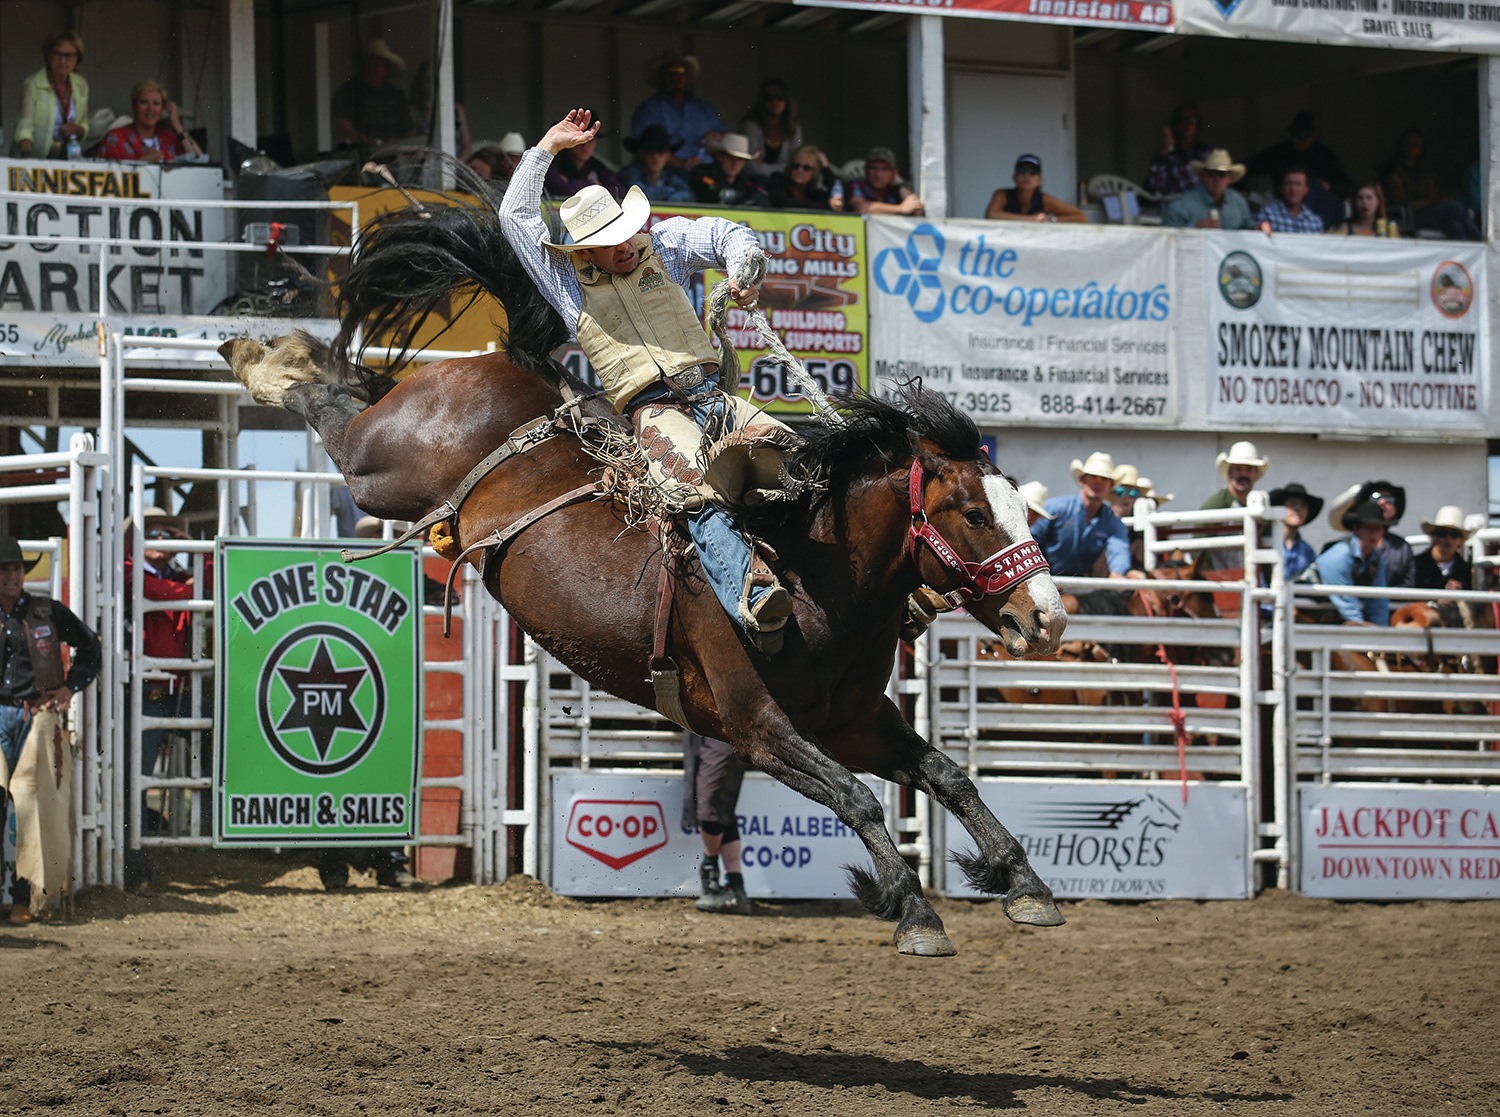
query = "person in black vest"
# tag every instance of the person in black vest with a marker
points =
(1443, 566)
(35, 766)
(1026, 200)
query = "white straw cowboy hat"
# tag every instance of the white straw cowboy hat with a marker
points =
(1148, 490)
(377, 48)
(1034, 493)
(1451, 517)
(595, 220)
(158, 517)
(1241, 453)
(736, 144)
(1127, 475)
(1096, 464)
(1218, 160)
(509, 144)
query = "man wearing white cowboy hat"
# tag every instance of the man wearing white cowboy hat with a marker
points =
(370, 110)
(1443, 566)
(36, 767)
(1084, 526)
(727, 181)
(1240, 467)
(1034, 493)
(622, 294)
(691, 122)
(1211, 204)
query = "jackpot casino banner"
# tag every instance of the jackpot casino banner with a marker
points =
(49, 292)
(1314, 333)
(1062, 325)
(815, 295)
(319, 703)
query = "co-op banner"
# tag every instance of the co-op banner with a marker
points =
(1143, 15)
(49, 292)
(1448, 25)
(1313, 333)
(1060, 325)
(622, 835)
(815, 296)
(319, 725)
(1120, 840)
(1380, 842)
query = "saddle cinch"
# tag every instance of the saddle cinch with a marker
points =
(747, 469)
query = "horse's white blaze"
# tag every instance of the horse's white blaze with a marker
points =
(1008, 510)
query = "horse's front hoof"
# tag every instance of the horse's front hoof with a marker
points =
(1035, 911)
(926, 942)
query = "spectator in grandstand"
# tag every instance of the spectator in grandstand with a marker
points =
(1327, 181)
(1026, 201)
(36, 765)
(1358, 560)
(370, 110)
(145, 139)
(712, 775)
(164, 635)
(578, 167)
(652, 169)
(801, 185)
(1240, 468)
(1400, 564)
(1171, 172)
(54, 101)
(1083, 527)
(1367, 214)
(1443, 566)
(1408, 180)
(727, 181)
(495, 160)
(1288, 213)
(771, 128)
(423, 97)
(690, 121)
(1301, 506)
(1034, 493)
(1126, 492)
(881, 189)
(1148, 490)
(1211, 204)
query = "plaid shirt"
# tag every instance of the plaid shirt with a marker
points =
(1283, 221)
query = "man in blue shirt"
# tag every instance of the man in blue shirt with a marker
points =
(1288, 213)
(1083, 527)
(1358, 560)
(691, 122)
(1211, 204)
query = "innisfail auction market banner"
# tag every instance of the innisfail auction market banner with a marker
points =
(319, 695)
(1064, 325)
(1469, 26)
(1380, 335)
(1142, 15)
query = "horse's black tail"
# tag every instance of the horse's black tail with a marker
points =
(411, 262)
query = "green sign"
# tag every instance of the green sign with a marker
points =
(319, 695)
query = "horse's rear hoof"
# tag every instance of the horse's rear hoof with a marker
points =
(1034, 911)
(927, 942)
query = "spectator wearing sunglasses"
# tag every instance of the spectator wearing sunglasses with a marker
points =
(1026, 201)
(801, 184)
(771, 127)
(691, 122)
(1400, 563)
(1211, 204)
(1443, 566)
(54, 101)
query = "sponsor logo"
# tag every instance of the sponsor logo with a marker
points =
(651, 279)
(321, 700)
(911, 272)
(617, 832)
(1123, 835)
(1452, 289)
(1240, 280)
(1226, 7)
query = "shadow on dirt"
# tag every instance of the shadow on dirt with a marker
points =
(839, 1070)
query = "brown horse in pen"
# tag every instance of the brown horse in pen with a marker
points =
(904, 498)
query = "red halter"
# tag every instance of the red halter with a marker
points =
(996, 574)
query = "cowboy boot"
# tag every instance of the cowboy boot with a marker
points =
(768, 616)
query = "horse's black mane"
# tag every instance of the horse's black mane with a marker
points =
(410, 261)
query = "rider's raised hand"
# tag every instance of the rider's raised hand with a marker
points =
(576, 128)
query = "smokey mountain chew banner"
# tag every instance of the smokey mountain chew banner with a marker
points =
(319, 702)
(1071, 326)
(1345, 334)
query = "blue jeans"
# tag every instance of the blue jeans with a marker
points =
(15, 724)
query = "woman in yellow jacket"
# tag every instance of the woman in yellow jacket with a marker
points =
(54, 101)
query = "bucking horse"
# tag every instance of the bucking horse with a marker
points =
(493, 453)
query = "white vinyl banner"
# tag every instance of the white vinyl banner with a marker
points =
(1121, 840)
(1379, 842)
(622, 835)
(1448, 25)
(1068, 325)
(1347, 334)
(59, 340)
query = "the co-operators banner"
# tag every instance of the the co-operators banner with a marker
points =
(1062, 325)
(1341, 334)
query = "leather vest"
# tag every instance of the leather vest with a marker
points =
(44, 645)
(637, 328)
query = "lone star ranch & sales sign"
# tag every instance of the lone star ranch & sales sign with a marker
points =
(319, 699)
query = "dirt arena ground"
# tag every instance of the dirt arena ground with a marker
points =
(246, 989)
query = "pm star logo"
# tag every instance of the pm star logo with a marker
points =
(321, 699)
